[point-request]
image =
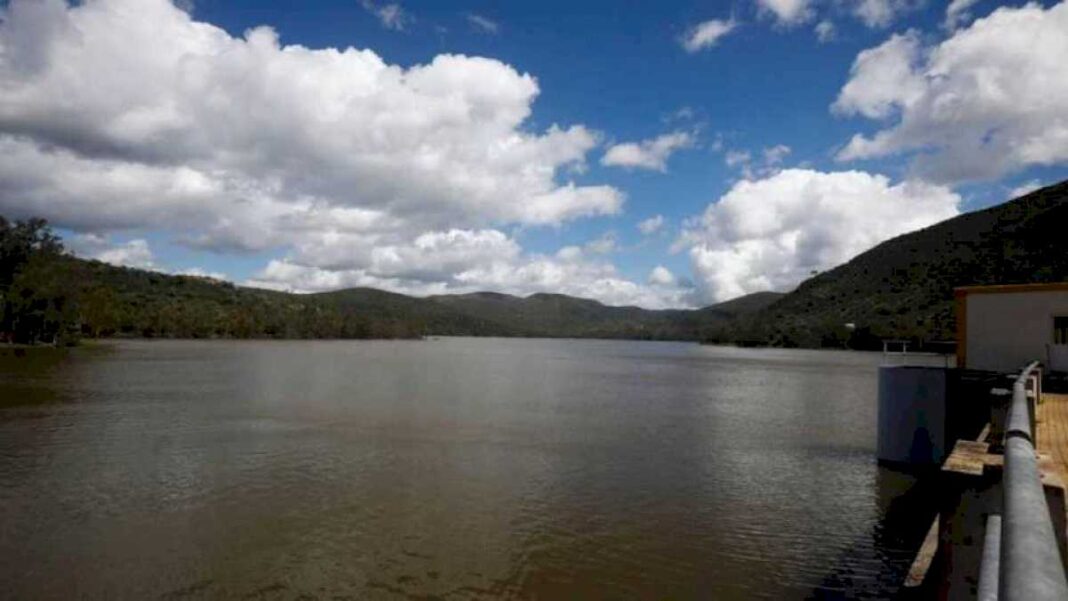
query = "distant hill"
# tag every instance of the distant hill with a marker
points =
(558, 315)
(743, 305)
(903, 288)
(119, 301)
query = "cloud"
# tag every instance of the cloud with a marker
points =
(706, 34)
(133, 253)
(430, 261)
(773, 157)
(881, 13)
(199, 272)
(483, 24)
(825, 31)
(341, 164)
(222, 130)
(787, 12)
(734, 158)
(661, 276)
(468, 261)
(872, 13)
(775, 154)
(958, 13)
(883, 78)
(983, 103)
(1024, 189)
(651, 225)
(390, 15)
(771, 233)
(603, 245)
(649, 154)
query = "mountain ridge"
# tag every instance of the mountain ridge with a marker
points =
(900, 288)
(123, 301)
(903, 287)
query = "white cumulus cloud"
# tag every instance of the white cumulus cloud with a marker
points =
(650, 154)
(883, 78)
(958, 12)
(787, 12)
(661, 276)
(770, 234)
(881, 13)
(349, 169)
(132, 253)
(872, 13)
(467, 261)
(990, 100)
(201, 128)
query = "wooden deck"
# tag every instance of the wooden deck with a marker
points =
(972, 458)
(1052, 421)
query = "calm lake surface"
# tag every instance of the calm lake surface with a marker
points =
(447, 469)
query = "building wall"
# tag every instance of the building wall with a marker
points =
(1006, 330)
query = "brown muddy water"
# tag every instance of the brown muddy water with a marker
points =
(447, 469)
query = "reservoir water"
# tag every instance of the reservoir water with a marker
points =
(447, 469)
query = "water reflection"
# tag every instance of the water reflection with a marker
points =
(26, 375)
(906, 506)
(450, 469)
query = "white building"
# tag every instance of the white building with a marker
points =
(1002, 328)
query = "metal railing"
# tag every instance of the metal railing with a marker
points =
(988, 569)
(896, 352)
(1030, 567)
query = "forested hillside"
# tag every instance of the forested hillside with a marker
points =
(49, 296)
(903, 288)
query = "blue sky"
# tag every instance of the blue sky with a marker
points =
(758, 190)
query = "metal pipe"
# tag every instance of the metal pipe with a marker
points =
(1019, 419)
(988, 569)
(1030, 562)
(1031, 567)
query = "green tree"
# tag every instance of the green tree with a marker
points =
(37, 304)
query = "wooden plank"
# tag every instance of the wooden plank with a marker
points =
(1052, 418)
(985, 433)
(968, 457)
(924, 557)
(972, 447)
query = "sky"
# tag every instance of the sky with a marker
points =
(667, 154)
